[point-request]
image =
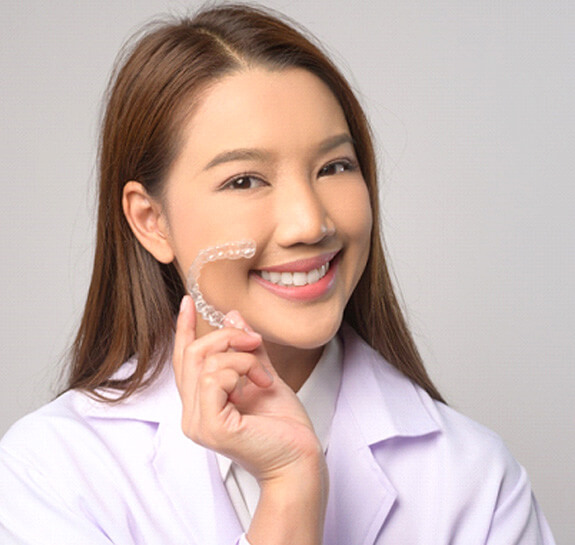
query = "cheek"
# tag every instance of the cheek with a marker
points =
(354, 219)
(193, 228)
(186, 226)
(351, 212)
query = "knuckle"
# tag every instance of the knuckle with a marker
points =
(192, 352)
(208, 380)
(211, 363)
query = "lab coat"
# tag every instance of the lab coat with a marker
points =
(404, 470)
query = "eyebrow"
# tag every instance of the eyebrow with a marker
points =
(242, 154)
(254, 154)
(335, 141)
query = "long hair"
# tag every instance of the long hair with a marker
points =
(133, 299)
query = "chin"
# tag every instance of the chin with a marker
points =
(303, 336)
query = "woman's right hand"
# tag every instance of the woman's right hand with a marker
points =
(235, 403)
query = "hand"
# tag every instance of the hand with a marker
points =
(235, 403)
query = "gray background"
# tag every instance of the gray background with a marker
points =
(473, 108)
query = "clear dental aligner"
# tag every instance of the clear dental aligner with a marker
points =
(229, 250)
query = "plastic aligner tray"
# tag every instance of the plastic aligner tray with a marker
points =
(230, 250)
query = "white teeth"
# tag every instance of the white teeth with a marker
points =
(286, 279)
(299, 279)
(295, 278)
(313, 276)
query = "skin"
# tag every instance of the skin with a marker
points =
(267, 155)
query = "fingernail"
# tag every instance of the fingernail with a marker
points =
(235, 319)
(268, 373)
(251, 332)
(184, 303)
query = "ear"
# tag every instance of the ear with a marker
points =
(147, 221)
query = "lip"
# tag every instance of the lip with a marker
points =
(309, 292)
(303, 265)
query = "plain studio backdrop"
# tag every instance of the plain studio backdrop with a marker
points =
(472, 104)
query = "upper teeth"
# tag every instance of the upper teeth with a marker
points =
(295, 278)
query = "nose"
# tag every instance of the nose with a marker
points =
(301, 215)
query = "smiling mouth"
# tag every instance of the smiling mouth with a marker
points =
(296, 279)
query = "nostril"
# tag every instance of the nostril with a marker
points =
(327, 229)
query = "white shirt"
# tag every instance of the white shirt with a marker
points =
(318, 395)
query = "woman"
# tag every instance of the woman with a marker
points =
(227, 126)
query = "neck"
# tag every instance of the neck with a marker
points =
(293, 365)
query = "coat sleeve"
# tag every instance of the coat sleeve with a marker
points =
(517, 518)
(29, 506)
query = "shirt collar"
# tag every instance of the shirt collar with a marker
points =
(319, 392)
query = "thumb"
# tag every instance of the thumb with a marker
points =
(234, 319)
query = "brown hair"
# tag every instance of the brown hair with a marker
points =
(133, 299)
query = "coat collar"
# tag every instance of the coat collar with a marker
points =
(384, 402)
(376, 403)
(152, 404)
(372, 386)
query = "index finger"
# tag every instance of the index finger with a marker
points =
(235, 319)
(185, 332)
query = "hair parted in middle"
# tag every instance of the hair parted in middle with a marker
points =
(158, 83)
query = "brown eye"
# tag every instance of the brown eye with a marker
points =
(244, 182)
(337, 167)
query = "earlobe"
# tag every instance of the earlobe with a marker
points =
(147, 221)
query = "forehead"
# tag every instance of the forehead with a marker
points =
(263, 108)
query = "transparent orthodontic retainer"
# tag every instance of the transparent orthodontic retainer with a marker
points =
(230, 250)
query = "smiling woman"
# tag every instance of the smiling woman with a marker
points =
(309, 417)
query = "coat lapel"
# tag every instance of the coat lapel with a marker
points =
(186, 472)
(375, 403)
(360, 495)
(190, 478)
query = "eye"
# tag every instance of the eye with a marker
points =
(338, 167)
(245, 181)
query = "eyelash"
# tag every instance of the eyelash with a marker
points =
(347, 165)
(230, 183)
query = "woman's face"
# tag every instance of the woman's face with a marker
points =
(268, 156)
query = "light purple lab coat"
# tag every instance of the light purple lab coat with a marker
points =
(404, 470)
